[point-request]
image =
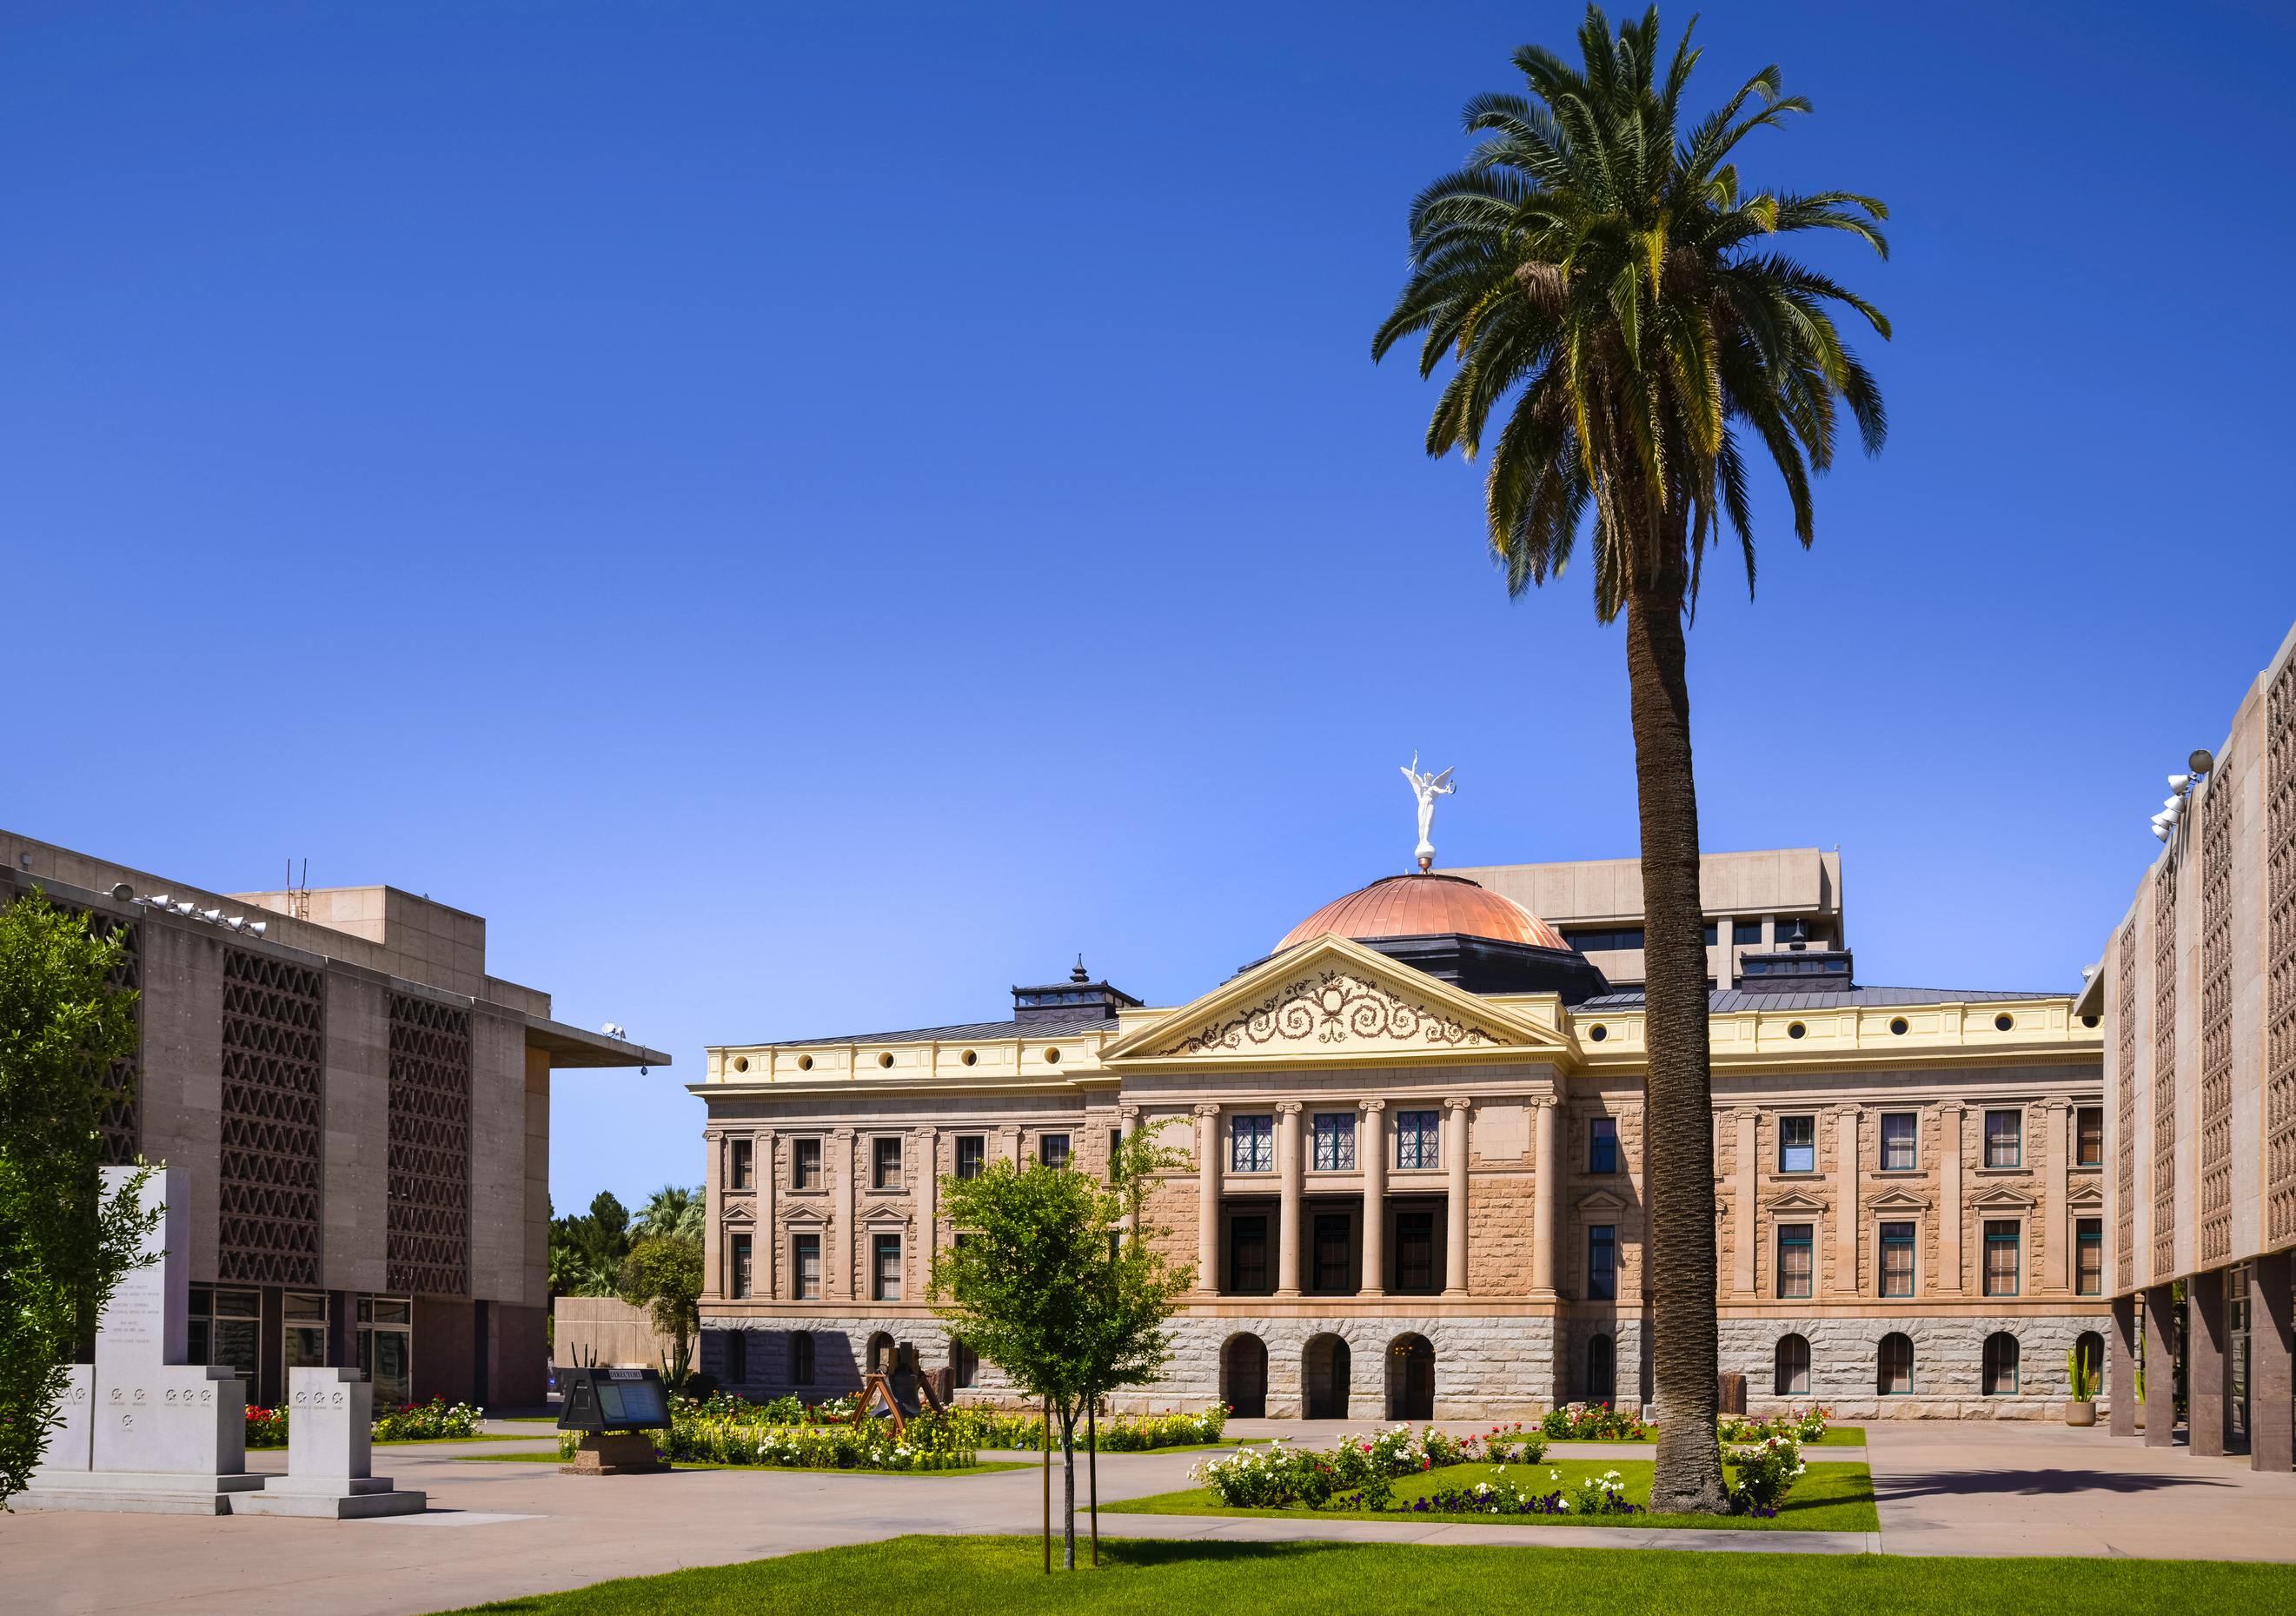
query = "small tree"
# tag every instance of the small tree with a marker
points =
(63, 1246)
(1047, 1287)
(663, 1275)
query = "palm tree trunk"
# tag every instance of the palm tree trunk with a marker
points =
(1678, 1126)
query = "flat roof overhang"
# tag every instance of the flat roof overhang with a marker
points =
(572, 1046)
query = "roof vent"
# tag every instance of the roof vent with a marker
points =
(1798, 968)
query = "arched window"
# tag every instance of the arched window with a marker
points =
(1792, 1377)
(1893, 1373)
(2089, 1352)
(737, 1357)
(1602, 1370)
(2001, 1365)
(801, 1357)
(964, 1367)
(882, 1352)
(1245, 1377)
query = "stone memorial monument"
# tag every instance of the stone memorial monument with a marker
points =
(146, 1433)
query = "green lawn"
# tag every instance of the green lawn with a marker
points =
(928, 1576)
(981, 1469)
(1830, 1498)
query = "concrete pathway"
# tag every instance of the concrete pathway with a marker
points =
(498, 1530)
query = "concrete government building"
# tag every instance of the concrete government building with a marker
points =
(362, 1115)
(1414, 1186)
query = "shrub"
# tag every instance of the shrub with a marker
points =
(427, 1422)
(1809, 1425)
(1766, 1472)
(1595, 1423)
(1604, 1495)
(1277, 1475)
(266, 1427)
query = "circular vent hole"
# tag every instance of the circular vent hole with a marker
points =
(1053, 1057)
(1598, 1032)
(1796, 1030)
(741, 1063)
(805, 1063)
(884, 1060)
(1899, 1027)
(968, 1057)
(2088, 1021)
(2004, 1022)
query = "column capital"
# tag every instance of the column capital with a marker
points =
(710, 1136)
(1542, 1102)
(1747, 1113)
(1129, 1113)
(1207, 1111)
(1371, 1106)
(1458, 1103)
(841, 1132)
(929, 1131)
(1289, 1108)
(2057, 1102)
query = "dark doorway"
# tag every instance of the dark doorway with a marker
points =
(1243, 1368)
(1324, 1368)
(1410, 1379)
(1415, 1252)
(1602, 1371)
(1247, 1261)
(1334, 1271)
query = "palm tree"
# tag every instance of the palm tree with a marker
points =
(672, 1209)
(1601, 268)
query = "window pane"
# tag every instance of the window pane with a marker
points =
(2002, 1141)
(1793, 1260)
(801, 1357)
(1251, 1145)
(741, 1165)
(805, 1166)
(1900, 1141)
(1602, 1145)
(971, 1155)
(1797, 1144)
(1053, 1150)
(737, 1357)
(1418, 1135)
(2090, 1141)
(1603, 1263)
(889, 1164)
(2001, 1258)
(1335, 1142)
(2089, 1267)
(808, 1267)
(741, 1265)
(1415, 1252)
(1248, 1256)
(889, 1267)
(1334, 1271)
(1746, 932)
(1897, 1260)
(1895, 1371)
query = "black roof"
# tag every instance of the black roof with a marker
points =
(1733, 999)
(980, 1030)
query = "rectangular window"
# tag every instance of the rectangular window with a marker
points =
(1335, 1142)
(2088, 1136)
(740, 1169)
(1053, 1150)
(1115, 1149)
(971, 1155)
(742, 1265)
(805, 1165)
(1247, 1259)
(737, 1357)
(1713, 933)
(889, 1267)
(1414, 1251)
(2088, 1256)
(801, 1353)
(1333, 1272)
(1794, 1268)
(2001, 1257)
(1603, 1263)
(1251, 1145)
(805, 1261)
(1748, 932)
(1602, 1145)
(1797, 1144)
(888, 1164)
(2004, 1139)
(1897, 1260)
(1419, 1139)
(1901, 1132)
(1604, 942)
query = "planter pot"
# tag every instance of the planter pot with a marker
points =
(2080, 1414)
(2140, 1417)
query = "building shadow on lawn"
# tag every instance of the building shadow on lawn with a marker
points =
(2028, 1483)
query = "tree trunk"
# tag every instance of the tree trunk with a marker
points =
(1068, 1483)
(1678, 1128)
(1092, 1470)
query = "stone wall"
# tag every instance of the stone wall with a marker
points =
(1948, 1364)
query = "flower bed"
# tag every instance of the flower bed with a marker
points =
(1603, 1495)
(266, 1427)
(928, 1444)
(1595, 1423)
(1809, 1425)
(434, 1420)
(1277, 1476)
(969, 1425)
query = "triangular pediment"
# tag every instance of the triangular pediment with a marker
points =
(801, 1211)
(1794, 1200)
(1897, 1201)
(1332, 997)
(2003, 1199)
(2089, 1193)
(738, 1216)
(1600, 1200)
(883, 1211)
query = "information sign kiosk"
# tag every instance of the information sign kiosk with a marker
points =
(614, 1409)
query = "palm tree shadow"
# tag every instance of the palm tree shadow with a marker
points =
(2027, 1483)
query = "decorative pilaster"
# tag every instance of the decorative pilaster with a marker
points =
(927, 1238)
(1371, 1151)
(840, 1256)
(1743, 1208)
(1455, 1156)
(1127, 1123)
(1847, 1217)
(1547, 1192)
(766, 1268)
(713, 1217)
(1287, 1174)
(2056, 1233)
(1948, 1265)
(1208, 1200)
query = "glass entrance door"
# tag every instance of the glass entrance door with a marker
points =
(2236, 1282)
(224, 1325)
(386, 1348)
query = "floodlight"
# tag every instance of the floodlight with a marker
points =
(2162, 831)
(258, 927)
(2177, 783)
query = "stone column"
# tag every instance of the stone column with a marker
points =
(2160, 1368)
(714, 1276)
(838, 1258)
(2269, 1352)
(1454, 1159)
(2204, 1364)
(1208, 1199)
(1546, 1192)
(1127, 1123)
(1949, 1281)
(2056, 1232)
(1287, 1189)
(1848, 1216)
(2122, 1387)
(1371, 1156)
(764, 1269)
(1744, 1197)
(928, 1195)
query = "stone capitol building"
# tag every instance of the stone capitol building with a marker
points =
(1415, 1179)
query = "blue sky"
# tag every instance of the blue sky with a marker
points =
(807, 518)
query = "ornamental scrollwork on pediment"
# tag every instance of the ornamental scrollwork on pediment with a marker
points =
(1332, 1008)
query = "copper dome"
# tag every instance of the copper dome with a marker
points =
(1426, 905)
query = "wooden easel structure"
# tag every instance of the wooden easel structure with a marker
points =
(875, 1385)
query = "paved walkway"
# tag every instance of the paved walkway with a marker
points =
(498, 1530)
